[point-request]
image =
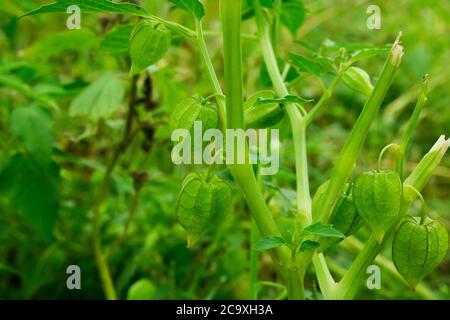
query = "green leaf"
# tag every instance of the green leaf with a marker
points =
(358, 80)
(309, 245)
(304, 64)
(33, 127)
(90, 6)
(192, 6)
(323, 230)
(367, 53)
(252, 99)
(117, 42)
(100, 99)
(269, 242)
(142, 289)
(15, 83)
(292, 14)
(33, 192)
(287, 99)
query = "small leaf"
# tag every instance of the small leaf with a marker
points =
(367, 53)
(323, 230)
(358, 80)
(269, 242)
(304, 64)
(100, 99)
(292, 14)
(252, 99)
(192, 6)
(309, 245)
(89, 6)
(287, 99)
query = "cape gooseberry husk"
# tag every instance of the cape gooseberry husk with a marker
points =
(261, 116)
(149, 43)
(377, 197)
(418, 248)
(344, 218)
(202, 204)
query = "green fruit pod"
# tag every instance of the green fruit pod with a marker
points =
(417, 249)
(344, 218)
(149, 43)
(261, 116)
(358, 80)
(193, 109)
(377, 197)
(202, 204)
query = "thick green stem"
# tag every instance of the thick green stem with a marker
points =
(243, 173)
(231, 27)
(297, 120)
(295, 287)
(323, 274)
(295, 276)
(254, 265)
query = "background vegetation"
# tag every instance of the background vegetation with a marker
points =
(57, 145)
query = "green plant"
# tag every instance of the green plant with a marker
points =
(205, 198)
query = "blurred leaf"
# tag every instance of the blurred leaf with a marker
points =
(101, 98)
(309, 245)
(117, 41)
(323, 230)
(33, 127)
(58, 43)
(17, 84)
(192, 6)
(368, 53)
(89, 6)
(304, 64)
(292, 14)
(269, 242)
(33, 190)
